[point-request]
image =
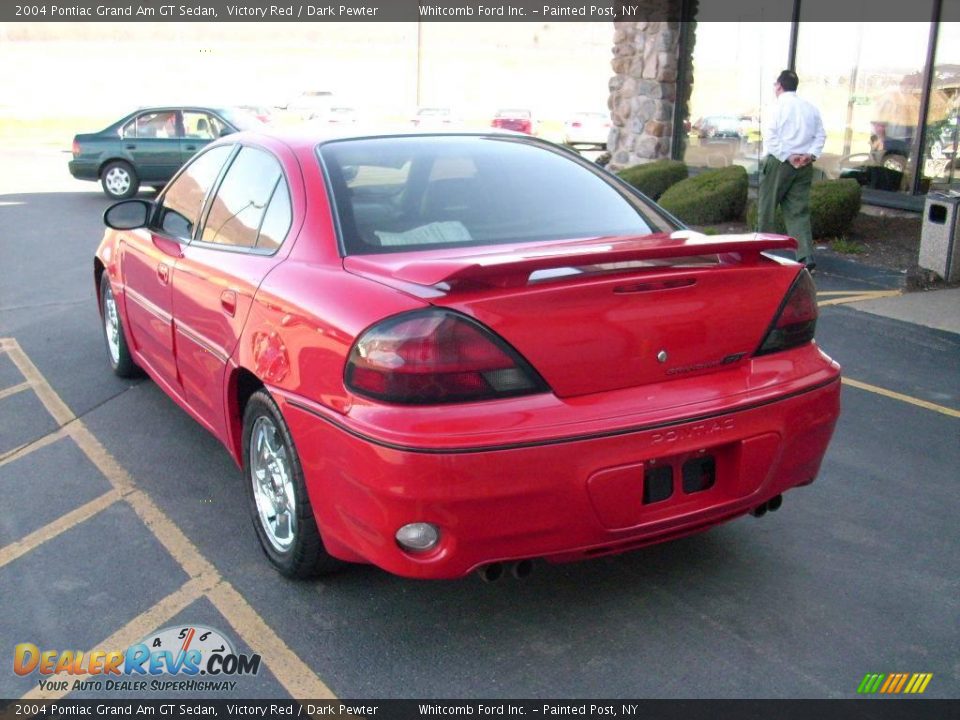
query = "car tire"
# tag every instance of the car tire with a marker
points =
(119, 180)
(277, 495)
(118, 353)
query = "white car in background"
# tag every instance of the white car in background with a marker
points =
(435, 118)
(310, 104)
(587, 128)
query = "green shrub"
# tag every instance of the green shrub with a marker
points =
(653, 179)
(710, 197)
(833, 206)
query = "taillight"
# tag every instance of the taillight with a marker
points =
(76, 148)
(436, 356)
(796, 320)
(497, 123)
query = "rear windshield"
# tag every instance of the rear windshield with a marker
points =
(409, 193)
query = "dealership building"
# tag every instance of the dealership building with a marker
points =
(693, 83)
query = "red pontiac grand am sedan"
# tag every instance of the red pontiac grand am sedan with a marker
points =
(447, 353)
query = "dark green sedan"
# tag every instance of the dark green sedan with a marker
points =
(148, 146)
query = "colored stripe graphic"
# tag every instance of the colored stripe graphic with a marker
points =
(894, 683)
(871, 683)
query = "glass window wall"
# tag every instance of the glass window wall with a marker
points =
(867, 80)
(734, 66)
(941, 161)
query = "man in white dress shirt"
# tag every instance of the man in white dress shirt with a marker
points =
(793, 137)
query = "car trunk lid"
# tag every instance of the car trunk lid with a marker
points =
(608, 313)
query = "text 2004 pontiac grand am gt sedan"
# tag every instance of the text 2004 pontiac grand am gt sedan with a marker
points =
(446, 353)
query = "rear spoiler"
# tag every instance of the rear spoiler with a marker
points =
(512, 265)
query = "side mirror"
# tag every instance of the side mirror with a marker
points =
(128, 214)
(226, 131)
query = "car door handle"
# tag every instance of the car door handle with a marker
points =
(191, 148)
(163, 273)
(131, 147)
(228, 301)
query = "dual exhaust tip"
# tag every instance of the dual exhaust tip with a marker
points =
(494, 571)
(524, 568)
(773, 504)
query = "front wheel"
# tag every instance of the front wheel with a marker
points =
(121, 362)
(277, 495)
(119, 180)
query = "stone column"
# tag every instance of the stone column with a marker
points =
(643, 91)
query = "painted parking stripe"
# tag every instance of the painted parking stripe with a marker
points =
(857, 297)
(16, 453)
(138, 628)
(7, 392)
(51, 530)
(942, 409)
(55, 406)
(300, 681)
(290, 671)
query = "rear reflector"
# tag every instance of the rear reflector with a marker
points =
(796, 320)
(436, 356)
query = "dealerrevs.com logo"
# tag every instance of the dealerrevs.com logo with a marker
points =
(187, 653)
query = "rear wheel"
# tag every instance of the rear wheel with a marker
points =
(277, 494)
(121, 362)
(119, 180)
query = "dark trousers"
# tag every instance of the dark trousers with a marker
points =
(785, 186)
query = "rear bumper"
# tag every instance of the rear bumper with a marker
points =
(560, 500)
(83, 170)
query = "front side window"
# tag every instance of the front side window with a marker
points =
(200, 126)
(396, 194)
(241, 201)
(182, 202)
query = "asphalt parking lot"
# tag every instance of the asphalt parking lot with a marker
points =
(122, 516)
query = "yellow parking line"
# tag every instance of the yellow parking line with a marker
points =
(137, 629)
(828, 293)
(950, 412)
(13, 390)
(55, 406)
(49, 531)
(295, 675)
(858, 297)
(18, 452)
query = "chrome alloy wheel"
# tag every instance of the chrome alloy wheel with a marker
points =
(272, 481)
(117, 181)
(111, 324)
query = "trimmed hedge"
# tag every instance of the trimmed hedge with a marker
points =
(710, 197)
(833, 206)
(653, 179)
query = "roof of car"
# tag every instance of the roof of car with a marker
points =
(309, 136)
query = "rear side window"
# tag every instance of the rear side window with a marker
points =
(180, 205)
(276, 221)
(157, 125)
(240, 205)
(407, 193)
